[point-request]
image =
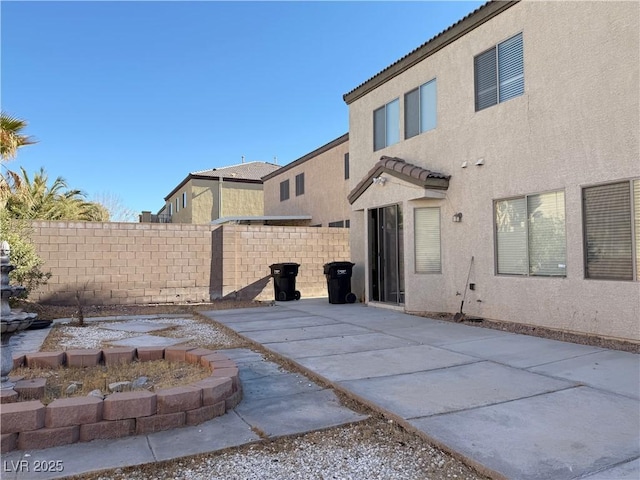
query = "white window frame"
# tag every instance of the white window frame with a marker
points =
(509, 72)
(427, 240)
(184, 199)
(607, 244)
(522, 241)
(424, 100)
(391, 124)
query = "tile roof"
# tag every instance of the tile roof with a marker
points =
(404, 171)
(241, 171)
(463, 26)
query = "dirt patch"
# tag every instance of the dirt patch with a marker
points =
(156, 374)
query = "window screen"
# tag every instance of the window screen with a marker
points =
(427, 240)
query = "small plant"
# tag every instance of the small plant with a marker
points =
(24, 257)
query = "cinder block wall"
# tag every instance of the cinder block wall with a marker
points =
(128, 263)
(124, 263)
(250, 250)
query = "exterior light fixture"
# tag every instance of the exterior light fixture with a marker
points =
(457, 217)
(379, 181)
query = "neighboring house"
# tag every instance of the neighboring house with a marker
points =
(505, 150)
(316, 184)
(208, 195)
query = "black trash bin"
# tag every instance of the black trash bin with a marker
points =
(284, 281)
(339, 282)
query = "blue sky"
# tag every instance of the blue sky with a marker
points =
(126, 98)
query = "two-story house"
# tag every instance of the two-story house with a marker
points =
(208, 195)
(498, 164)
(316, 184)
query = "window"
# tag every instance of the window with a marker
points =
(386, 125)
(339, 224)
(427, 240)
(420, 109)
(499, 73)
(184, 199)
(346, 166)
(170, 208)
(530, 235)
(299, 184)
(177, 205)
(284, 190)
(611, 214)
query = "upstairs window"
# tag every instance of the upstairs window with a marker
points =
(346, 166)
(420, 109)
(612, 231)
(530, 235)
(386, 125)
(284, 190)
(499, 73)
(184, 199)
(177, 204)
(300, 184)
(170, 208)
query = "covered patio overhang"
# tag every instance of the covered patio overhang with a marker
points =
(428, 184)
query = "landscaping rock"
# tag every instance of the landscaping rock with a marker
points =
(120, 386)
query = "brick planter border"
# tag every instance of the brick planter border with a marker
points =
(32, 425)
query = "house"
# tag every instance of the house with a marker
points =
(208, 195)
(498, 165)
(316, 184)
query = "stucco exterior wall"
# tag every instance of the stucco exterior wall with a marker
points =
(576, 125)
(242, 199)
(325, 188)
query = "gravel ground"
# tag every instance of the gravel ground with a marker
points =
(373, 449)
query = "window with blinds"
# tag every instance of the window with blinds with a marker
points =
(284, 190)
(531, 235)
(611, 222)
(386, 125)
(427, 240)
(300, 184)
(499, 73)
(420, 109)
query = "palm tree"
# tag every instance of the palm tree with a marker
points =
(35, 199)
(11, 137)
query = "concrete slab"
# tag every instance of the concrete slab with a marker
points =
(259, 369)
(560, 435)
(222, 432)
(439, 333)
(522, 351)
(302, 333)
(335, 345)
(381, 363)
(275, 386)
(626, 471)
(239, 311)
(136, 327)
(384, 320)
(79, 458)
(450, 389)
(299, 413)
(609, 370)
(278, 323)
(242, 355)
(148, 341)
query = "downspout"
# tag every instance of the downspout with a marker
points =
(220, 180)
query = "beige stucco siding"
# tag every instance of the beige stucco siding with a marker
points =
(242, 199)
(577, 124)
(325, 189)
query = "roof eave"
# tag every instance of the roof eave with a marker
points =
(464, 26)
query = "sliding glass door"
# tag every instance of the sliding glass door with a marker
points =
(386, 258)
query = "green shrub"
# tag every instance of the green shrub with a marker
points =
(23, 254)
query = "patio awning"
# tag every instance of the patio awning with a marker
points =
(402, 170)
